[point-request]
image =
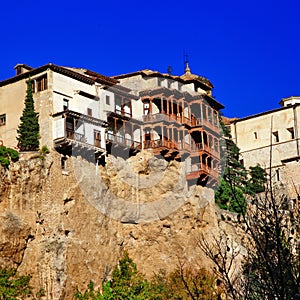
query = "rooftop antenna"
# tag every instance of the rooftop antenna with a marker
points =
(169, 70)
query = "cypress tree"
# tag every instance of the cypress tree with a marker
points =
(230, 194)
(28, 131)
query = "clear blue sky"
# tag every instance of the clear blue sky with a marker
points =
(248, 49)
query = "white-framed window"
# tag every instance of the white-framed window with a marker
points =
(65, 104)
(107, 100)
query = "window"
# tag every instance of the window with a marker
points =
(66, 104)
(209, 115)
(204, 111)
(255, 135)
(277, 175)
(97, 138)
(215, 118)
(160, 81)
(107, 99)
(2, 119)
(41, 83)
(241, 162)
(292, 132)
(33, 86)
(63, 162)
(275, 136)
(147, 135)
(89, 112)
(146, 107)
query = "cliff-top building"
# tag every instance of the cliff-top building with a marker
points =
(176, 116)
(271, 139)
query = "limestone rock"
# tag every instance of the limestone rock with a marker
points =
(66, 229)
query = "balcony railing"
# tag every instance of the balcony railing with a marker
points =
(199, 168)
(192, 121)
(75, 136)
(195, 147)
(123, 113)
(122, 141)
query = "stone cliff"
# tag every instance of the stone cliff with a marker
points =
(67, 228)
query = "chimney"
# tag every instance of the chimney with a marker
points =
(22, 68)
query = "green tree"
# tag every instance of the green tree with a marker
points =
(7, 155)
(230, 198)
(126, 284)
(28, 131)
(234, 180)
(14, 286)
(257, 181)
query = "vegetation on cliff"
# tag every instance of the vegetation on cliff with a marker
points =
(14, 286)
(128, 283)
(28, 131)
(7, 155)
(237, 182)
(270, 268)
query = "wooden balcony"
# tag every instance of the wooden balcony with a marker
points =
(199, 169)
(195, 148)
(123, 113)
(75, 136)
(120, 140)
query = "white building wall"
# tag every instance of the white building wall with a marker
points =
(257, 143)
(188, 87)
(66, 87)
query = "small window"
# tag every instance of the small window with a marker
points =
(41, 83)
(160, 81)
(292, 132)
(63, 162)
(66, 104)
(33, 86)
(242, 162)
(89, 112)
(277, 175)
(146, 107)
(2, 119)
(255, 135)
(107, 99)
(275, 136)
(215, 118)
(97, 138)
(147, 135)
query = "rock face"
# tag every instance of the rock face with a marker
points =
(67, 228)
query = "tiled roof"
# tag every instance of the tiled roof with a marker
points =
(187, 77)
(88, 77)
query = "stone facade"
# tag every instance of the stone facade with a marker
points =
(271, 139)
